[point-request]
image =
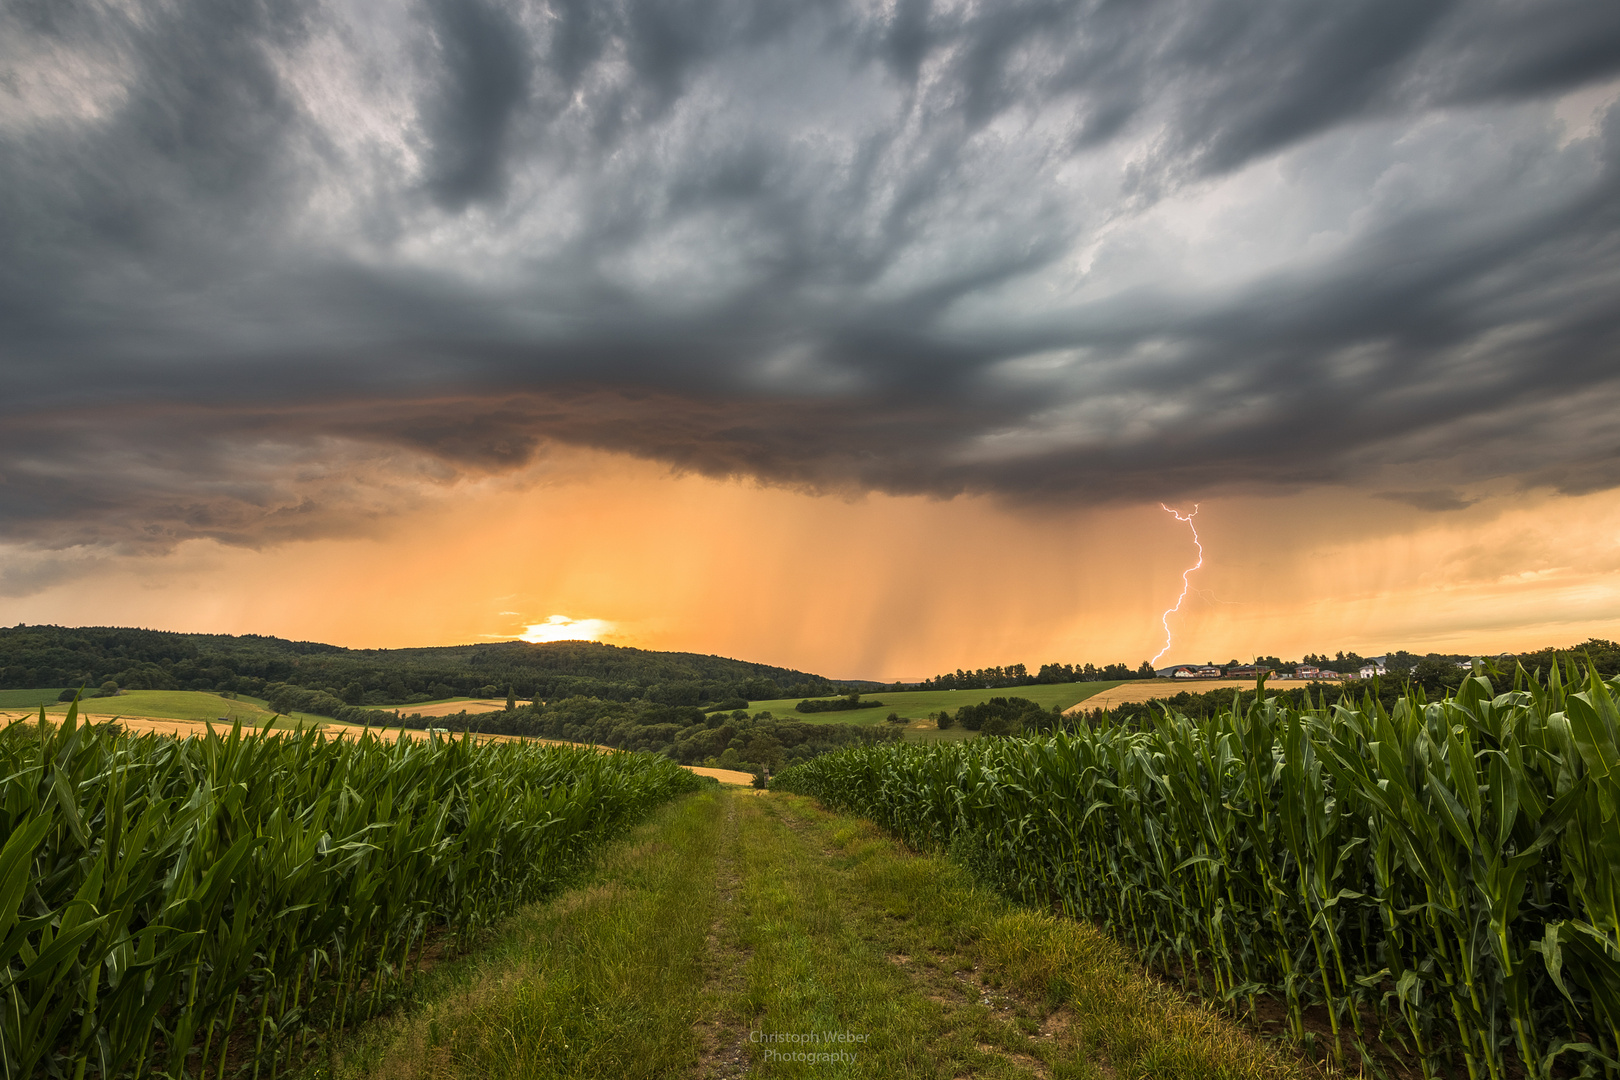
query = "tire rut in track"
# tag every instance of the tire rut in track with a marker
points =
(723, 1053)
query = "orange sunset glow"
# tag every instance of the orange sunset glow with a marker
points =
(886, 587)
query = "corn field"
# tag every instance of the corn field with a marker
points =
(1441, 881)
(216, 904)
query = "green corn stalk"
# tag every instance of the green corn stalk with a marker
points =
(1443, 877)
(173, 888)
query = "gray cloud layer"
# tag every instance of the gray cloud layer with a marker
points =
(265, 266)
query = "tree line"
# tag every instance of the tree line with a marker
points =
(852, 700)
(33, 657)
(1434, 670)
(996, 678)
(1004, 716)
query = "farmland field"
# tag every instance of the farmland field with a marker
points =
(198, 705)
(444, 706)
(1160, 689)
(240, 904)
(1439, 883)
(157, 725)
(246, 895)
(917, 704)
(1431, 888)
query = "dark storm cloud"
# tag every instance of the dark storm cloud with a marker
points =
(267, 269)
(487, 66)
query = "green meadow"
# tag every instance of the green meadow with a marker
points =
(28, 699)
(917, 704)
(909, 704)
(198, 705)
(167, 705)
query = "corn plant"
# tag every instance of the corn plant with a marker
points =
(1439, 881)
(160, 895)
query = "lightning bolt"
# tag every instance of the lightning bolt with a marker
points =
(1165, 618)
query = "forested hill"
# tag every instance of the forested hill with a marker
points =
(56, 656)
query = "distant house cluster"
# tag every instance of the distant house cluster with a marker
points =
(1307, 672)
(1190, 671)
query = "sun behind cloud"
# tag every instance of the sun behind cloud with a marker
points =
(562, 628)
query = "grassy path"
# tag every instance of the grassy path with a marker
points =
(739, 934)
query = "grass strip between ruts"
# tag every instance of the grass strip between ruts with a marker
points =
(741, 935)
(600, 981)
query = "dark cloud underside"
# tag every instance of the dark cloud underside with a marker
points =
(487, 68)
(267, 268)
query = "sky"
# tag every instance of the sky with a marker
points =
(863, 338)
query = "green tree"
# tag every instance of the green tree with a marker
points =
(945, 720)
(511, 698)
(1400, 662)
(1438, 674)
(764, 749)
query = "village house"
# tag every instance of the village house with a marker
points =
(1189, 671)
